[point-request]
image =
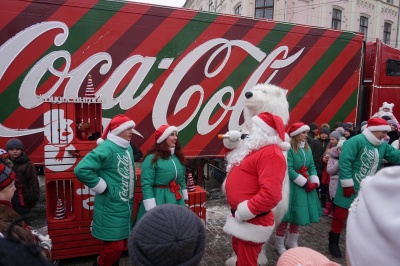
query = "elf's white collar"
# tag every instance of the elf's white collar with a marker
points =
(371, 137)
(118, 140)
(302, 144)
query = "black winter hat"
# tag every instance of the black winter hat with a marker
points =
(168, 235)
(14, 144)
(324, 130)
(313, 126)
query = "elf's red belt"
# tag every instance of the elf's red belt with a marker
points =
(258, 215)
(174, 188)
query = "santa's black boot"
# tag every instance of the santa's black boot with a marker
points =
(334, 244)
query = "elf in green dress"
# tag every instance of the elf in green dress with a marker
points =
(304, 206)
(163, 171)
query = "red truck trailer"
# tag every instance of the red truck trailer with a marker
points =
(163, 65)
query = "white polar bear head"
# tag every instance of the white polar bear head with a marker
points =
(266, 98)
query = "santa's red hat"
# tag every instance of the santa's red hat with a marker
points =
(273, 125)
(296, 128)
(117, 124)
(378, 124)
(163, 132)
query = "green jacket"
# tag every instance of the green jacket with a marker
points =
(158, 174)
(304, 207)
(361, 156)
(114, 165)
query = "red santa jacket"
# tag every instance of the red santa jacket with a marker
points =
(254, 188)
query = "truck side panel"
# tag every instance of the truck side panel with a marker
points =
(164, 65)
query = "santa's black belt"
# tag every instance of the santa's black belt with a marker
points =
(258, 215)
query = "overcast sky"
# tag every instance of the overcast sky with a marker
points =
(176, 3)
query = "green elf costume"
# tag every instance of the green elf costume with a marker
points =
(361, 156)
(109, 171)
(164, 180)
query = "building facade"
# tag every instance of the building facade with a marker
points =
(375, 18)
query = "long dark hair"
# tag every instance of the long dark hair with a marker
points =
(162, 150)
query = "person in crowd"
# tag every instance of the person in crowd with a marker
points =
(349, 130)
(163, 171)
(361, 155)
(393, 133)
(11, 224)
(340, 130)
(304, 206)
(333, 141)
(5, 158)
(26, 195)
(337, 124)
(137, 153)
(333, 170)
(386, 110)
(313, 133)
(372, 232)
(326, 125)
(363, 125)
(167, 235)
(395, 144)
(318, 148)
(302, 256)
(109, 171)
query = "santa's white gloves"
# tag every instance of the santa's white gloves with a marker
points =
(243, 212)
(233, 139)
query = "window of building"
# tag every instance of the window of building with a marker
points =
(336, 19)
(264, 9)
(238, 10)
(389, 1)
(387, 28)
(364, 26)
(210, 5)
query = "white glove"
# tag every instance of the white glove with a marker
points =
(234, 135)
(238, 218)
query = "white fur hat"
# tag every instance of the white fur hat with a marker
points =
(372, 234)
(272, 124)
(388, 105)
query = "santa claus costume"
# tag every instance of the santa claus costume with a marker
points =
(256, 170)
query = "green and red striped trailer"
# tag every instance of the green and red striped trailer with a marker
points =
(157, 65)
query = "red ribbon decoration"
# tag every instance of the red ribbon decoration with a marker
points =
(174, 187)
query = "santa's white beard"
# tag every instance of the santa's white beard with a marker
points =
(256, 140)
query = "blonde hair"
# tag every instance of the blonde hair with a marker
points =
(294, 143)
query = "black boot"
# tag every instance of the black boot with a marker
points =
(323, 200)
(334, 244)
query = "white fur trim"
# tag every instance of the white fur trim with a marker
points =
(244, 211)
(231, 261)
(264, 126)
(118, 140)
(300, 180)
(166, 133)
(230, 145)
(299, 130)
(100, 187)
(247, 231)
(149, 204)
(285, 146)
(379, 128)
(99, 140)
(347, 182)
(122, 127)
(185, 194)
(314, 179)
(371, 137)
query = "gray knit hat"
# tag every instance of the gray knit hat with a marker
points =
(167, 235)
(335, 134)
(14, 144)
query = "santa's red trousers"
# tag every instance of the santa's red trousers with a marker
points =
(339, 217)
(246, 251)
(111, 252)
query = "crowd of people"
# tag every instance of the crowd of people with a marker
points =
(330, 172)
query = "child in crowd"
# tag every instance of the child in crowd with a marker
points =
(26, 195)
(333, 171)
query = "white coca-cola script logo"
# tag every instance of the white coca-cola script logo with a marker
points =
(73, 78)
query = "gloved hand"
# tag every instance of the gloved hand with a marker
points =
(234, 135)
(238, 217)
(310, 186)
(348, 191)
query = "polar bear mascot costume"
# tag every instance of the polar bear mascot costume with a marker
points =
(261, 98)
